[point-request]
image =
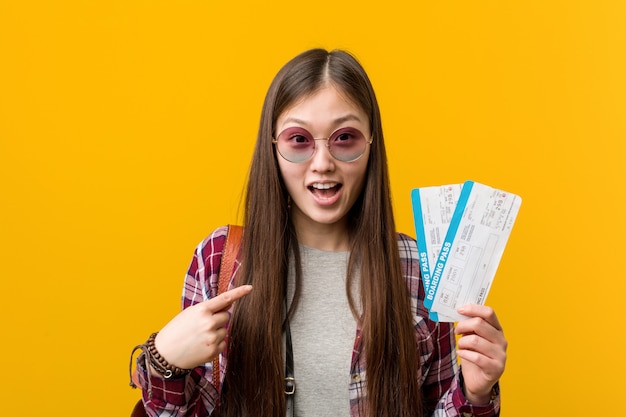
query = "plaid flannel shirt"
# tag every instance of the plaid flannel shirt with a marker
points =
(196, 395)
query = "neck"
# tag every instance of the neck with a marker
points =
(329, 237)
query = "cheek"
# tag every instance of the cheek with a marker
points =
(291, 174)
(285, 168)
(359, 174)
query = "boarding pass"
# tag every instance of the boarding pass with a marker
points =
(461, 232)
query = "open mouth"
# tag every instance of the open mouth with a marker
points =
(324, 190)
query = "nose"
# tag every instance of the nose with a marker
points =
(322, 160)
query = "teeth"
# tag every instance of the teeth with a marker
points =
(324, 186)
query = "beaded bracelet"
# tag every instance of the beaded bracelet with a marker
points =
(159, 363)
(154, 360)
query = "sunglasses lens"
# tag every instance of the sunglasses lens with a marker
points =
(295, 144)
(347, 144)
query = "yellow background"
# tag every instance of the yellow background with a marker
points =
(126, 128)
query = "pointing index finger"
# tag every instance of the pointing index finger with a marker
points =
(227, 298)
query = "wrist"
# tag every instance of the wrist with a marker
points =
(158, 362)
(481, 399)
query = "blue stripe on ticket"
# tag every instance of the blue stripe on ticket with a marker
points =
(420, 234)
(447, 244)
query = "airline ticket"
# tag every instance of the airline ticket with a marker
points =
(461, 233)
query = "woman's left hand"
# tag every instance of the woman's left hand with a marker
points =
(482, 348)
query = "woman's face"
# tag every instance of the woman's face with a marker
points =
(323, 188)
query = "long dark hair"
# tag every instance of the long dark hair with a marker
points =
(254, 382)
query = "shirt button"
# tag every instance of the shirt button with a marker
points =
(356, 377)
(466, 414)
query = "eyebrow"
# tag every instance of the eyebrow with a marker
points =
(335, 122)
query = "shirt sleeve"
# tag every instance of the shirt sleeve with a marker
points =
(445, 382)
(457, 404)
(194, 394)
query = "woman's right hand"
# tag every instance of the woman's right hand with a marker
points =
(196, 335)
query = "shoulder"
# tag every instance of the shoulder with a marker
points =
(214, 242)
(207, 257)
(409, 261)
(217, 234)
(213, 245)
(208, 252)
(407, 247)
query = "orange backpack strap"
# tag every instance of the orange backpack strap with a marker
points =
(227, 266)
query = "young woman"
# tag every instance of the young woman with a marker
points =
(320, 257)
